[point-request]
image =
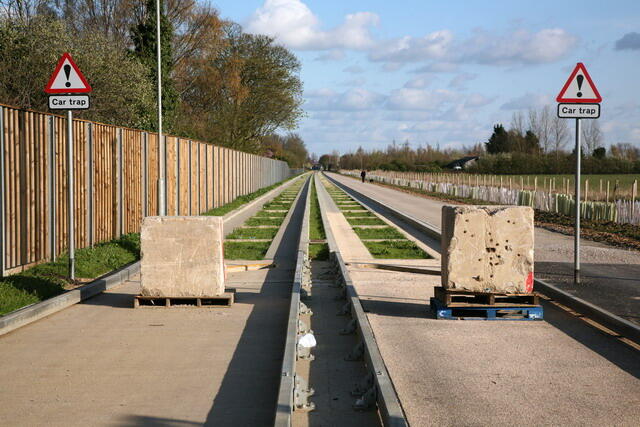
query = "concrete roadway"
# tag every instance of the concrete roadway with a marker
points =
(103, 363)
(611, 275)
(470, 373)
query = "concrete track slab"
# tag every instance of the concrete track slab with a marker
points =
(610, 274)
(553, 372)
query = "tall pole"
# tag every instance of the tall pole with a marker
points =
(70, 213)
(162, 205)
(576, 252)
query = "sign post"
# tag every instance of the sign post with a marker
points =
(67, 79)
(578, 99)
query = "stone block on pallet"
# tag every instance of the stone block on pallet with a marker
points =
(487, 248)
(182, 256)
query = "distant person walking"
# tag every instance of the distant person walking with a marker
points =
(363, 175)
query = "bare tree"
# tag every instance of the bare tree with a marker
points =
(591, 136)
(517, 123)
(559, 131)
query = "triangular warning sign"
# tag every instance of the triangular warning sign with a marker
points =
(67, 78)
(579, 88)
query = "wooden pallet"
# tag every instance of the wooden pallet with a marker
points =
(224, 300)
(461, 299)
(441, 311)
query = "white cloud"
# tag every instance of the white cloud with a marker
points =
(411, 49)
(355, 99)
(517, 47)
(483, 47)
(418, 82)
(332, 55)
(417, 99)
(461, 80)
(292, 23)
(354, 69)
(526, 101)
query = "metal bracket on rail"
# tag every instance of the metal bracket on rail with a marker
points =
(356, 354)
(301, 394)
(345, 310)
(364, 385)
(351, 328)
(303, 309)
(303, 328)
(367, 401)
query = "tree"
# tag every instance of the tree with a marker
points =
(143, 36)
(517, 123)
(559, 133)
(591, 135)
(531, 143)
(499, 141)
(539, 123)
(600, 153)
(122, 92)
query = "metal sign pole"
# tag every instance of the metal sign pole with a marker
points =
(162, 205)
(70, 182)
(576, 253)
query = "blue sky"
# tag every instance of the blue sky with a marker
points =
(445, 72)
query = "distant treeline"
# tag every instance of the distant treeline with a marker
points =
(535, 144)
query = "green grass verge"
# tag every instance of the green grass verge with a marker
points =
(366, 221)
(245, 250)
(395, 250)
(239, 201)
(319, 251)
(263, 221)
(49, 279)
(253, 233)
(378, 233)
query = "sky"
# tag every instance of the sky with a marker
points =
(444, 72)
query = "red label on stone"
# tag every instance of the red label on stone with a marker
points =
(528, 284)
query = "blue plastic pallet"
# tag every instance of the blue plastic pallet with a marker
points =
(441, 311)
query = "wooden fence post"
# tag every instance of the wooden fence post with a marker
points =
(607, 191)
(586, 189)
(52, 220)
(89, 174)
(2, 194)
(120, 184)
(178, 183)
(145, 174)
(634, 190)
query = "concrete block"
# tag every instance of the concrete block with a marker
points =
(487, 248)
(182, 256)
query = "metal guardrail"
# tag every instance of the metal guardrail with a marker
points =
(376, 387)
(293, 392)
(605, 317)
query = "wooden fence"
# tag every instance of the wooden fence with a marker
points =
(116, 175)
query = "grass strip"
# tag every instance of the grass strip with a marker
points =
(395, 250)
(316, 228)
(270, 214)
(366, 221)
(50, 279)
(241, 200)
(319, 251)
(378, 233)
(364, 213)
(245, 250)
(263, 221)
(253, 233)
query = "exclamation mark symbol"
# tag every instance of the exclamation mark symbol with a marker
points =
(67, 72)
(580, 79)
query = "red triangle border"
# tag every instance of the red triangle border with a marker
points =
(65, 56)
(597, 99)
